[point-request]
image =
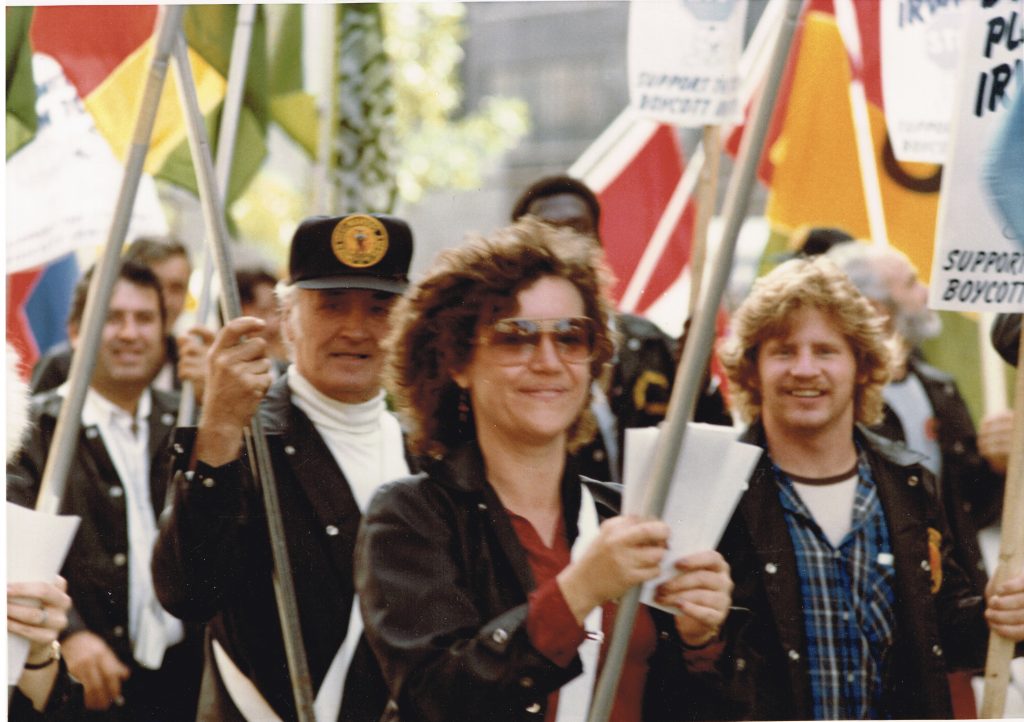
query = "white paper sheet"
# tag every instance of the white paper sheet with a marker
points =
(37, 544)
(710, 477)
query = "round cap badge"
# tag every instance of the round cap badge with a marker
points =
(359, 241)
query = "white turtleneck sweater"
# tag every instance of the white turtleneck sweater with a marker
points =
(366, 442)
(365, 439)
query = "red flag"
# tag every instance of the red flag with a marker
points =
(634, 183)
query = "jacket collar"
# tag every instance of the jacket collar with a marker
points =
(893, 451)
(463, 470)
(275, 411)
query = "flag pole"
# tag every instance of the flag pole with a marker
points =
(255, 440)
(1011, 554)
(323, 191)
(228, 132)
(707, 191)
(846, 19)
(101, 287)
(690, 374)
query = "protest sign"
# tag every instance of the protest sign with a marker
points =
(684, 60)
(920, 48)
(979, 263)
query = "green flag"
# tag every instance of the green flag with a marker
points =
(291, 107)
(209, 30)
(21, 88)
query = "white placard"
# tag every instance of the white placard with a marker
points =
(62, 187)
(978, 263)
(710, 477)
(684, 60)
(920, 50)
(37, 544)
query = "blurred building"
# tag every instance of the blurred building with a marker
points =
(567, 60)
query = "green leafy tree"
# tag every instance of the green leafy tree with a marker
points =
(442, 145)
(439, 144)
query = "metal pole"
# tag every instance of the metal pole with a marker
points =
(228, 133)
(695, 356)
(255, 440)
(101, 287)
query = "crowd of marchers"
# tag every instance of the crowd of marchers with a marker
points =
(446, 453)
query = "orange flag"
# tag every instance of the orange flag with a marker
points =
(815, 174)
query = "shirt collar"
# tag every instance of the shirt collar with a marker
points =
(99, 410)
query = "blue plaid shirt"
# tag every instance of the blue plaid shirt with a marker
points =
(848, 601)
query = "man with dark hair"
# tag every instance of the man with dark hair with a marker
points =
(134, 660)
(168, 260)
(333, 442)
(816, 240)
(256, 293)
(563, 201)
(638, 391)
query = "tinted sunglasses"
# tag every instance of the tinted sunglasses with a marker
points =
(514, 341)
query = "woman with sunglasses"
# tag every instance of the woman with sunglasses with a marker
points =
(488, 581)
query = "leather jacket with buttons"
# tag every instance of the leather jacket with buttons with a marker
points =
(971, 492)
(97, 564)
(443, 583)
(212, 563)
(935, 630)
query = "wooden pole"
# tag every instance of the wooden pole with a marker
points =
(706, 195)
(1011, 553)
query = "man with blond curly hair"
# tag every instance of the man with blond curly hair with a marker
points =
(839, 547)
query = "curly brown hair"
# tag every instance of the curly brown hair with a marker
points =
(436, 322)
(767, 312)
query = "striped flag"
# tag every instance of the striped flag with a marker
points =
(635, 182)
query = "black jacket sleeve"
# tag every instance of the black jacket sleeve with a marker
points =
(442, 659)
(1006, 336)
(204, 532)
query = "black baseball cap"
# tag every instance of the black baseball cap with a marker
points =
(360, 250)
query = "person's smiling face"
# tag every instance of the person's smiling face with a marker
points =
(336, 337)
(131, 349)
(807, 378)
(537, 401)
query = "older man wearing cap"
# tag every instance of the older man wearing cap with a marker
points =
(332, 441)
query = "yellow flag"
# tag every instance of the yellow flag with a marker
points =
(816, 175)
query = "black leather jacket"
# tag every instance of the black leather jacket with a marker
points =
(96, 567)
(934, 631)
(443, 584)
(971, 492)
(643, 371)
(212, 562)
